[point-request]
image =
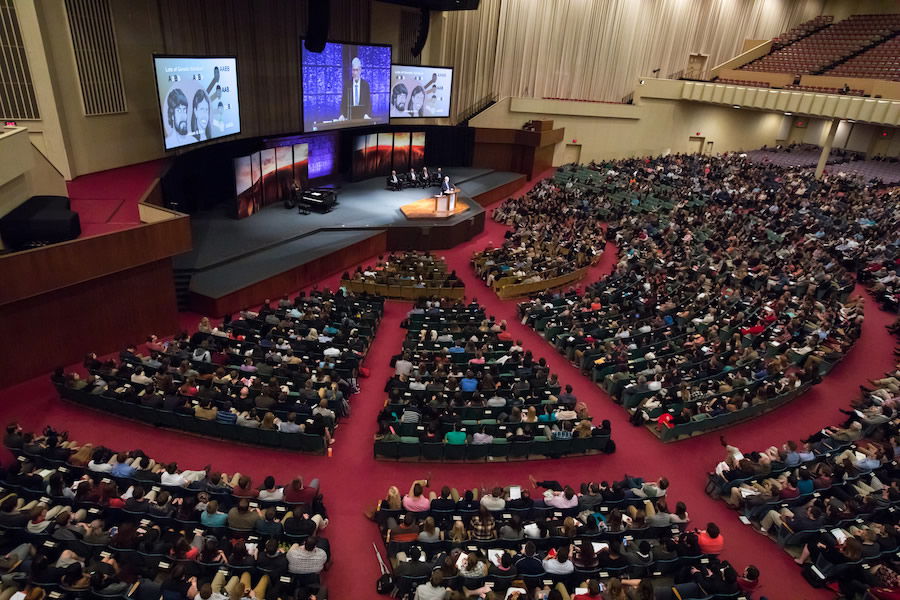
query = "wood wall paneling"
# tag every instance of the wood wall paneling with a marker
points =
(265, 36)
(497, 194)
(34, 272)
(100, 315)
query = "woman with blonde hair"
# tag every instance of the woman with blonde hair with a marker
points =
(393, 501)
(269, 422)
(569, 528)
(82, 456)
(430, 532)
(583, 429)
(458, 532)
(615, 590)
(530, 416)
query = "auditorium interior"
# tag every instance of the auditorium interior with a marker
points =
(589, 299)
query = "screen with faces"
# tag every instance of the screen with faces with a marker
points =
(418, 91)
(198, 98)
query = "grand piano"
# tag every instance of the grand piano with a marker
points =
(321, 200)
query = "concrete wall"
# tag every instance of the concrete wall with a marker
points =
(24, 171)
(841, 9)
(654, 126)
(46, 133)
(101, 142)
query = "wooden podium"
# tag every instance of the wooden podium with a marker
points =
(445, 203)
(439, 206)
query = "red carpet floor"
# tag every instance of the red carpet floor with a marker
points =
(107, 201)
(352, 480)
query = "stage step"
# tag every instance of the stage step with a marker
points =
(182, 278)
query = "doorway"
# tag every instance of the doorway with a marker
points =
(571, 154)
(696, 67)
(696, 145)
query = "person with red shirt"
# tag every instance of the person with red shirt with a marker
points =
(593, 591)
(711, 540)
(243, 489)
(297, 493)
(749, 580)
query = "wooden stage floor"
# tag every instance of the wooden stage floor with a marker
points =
(424, 209)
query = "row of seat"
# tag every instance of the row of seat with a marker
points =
(151, 566)
(300, 442)
(411, 448)
(405, 290)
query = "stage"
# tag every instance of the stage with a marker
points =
(425, 209)
(236, 263)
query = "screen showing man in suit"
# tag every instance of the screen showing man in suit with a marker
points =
(357, 102)
(346, 85)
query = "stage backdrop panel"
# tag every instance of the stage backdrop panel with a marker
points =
(247, 184)
(358, 165)
(301, 165)
(417, 150)
(371, 153)
(284, 167)
(401, 151)
(383, 152)
(269, 179)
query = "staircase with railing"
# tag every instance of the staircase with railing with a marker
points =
(476, 108)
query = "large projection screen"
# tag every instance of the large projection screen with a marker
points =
(345, 85)
(418, 91)
(198, 98)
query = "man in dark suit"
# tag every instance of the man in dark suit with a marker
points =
(445, 186)
(357, 99)
(394, 182)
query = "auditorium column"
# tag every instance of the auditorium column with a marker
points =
(826, 147)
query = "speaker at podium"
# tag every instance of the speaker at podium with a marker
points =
(440, 206)
(445, 202)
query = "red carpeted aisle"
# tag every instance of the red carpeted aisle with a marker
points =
(352, 480)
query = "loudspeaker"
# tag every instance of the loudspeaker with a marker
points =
(438, 4)
(424, 24)
(318, 21)
(40, 219)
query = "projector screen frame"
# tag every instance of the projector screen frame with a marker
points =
(449, 106)
(162, 123)
(346, 43)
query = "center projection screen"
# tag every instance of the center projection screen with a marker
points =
(345, 85)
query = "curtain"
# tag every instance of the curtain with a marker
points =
(469, 44)
(597, 49)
